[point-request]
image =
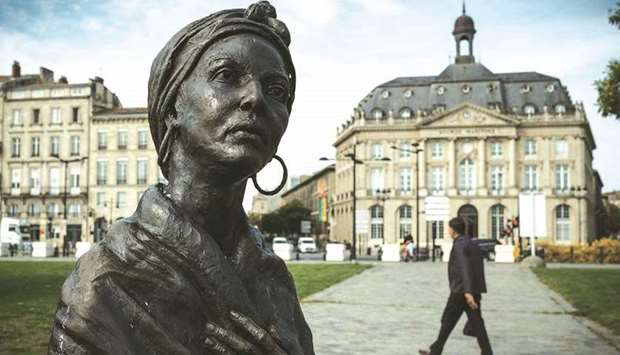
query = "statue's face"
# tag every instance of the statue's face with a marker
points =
(232, 109)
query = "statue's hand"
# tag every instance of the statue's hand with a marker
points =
(255, 339)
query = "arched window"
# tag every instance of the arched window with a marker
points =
(377, 114)
(562, 223)
(529, 109)
(560, 109)
(466, 176)
(405, 113)
(376, 222)
(497, 221)
(464, 46)
(404, 214)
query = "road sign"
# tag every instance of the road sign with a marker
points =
(436, 208)
(306, 227)
(362, 221)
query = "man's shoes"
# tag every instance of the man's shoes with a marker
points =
(424, 352)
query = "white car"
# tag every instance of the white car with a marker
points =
(306, 245)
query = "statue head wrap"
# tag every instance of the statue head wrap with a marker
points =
(183, 51)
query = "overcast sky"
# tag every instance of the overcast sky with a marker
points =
(341, 49)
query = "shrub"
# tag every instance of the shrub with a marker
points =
(603, 250)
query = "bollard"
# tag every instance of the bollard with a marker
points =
(572, 254)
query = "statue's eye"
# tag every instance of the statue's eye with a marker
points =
(278, 92)
(224, 75)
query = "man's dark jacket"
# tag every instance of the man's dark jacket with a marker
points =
(466, 267)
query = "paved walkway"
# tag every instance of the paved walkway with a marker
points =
(395, 309)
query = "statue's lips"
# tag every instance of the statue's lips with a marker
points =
(247, 131)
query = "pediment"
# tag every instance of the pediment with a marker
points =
(467, 115)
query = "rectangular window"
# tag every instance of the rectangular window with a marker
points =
(376, 151)
(142, 171)
(54, 146)
(437, 229)
(496, 149)
(17, 118)
(74, 210)
(35, 146)
(121, 199)
(74, 178)
(121, 142)
(562, 183)
(35, 181)
(36, 116)
(75, 145)
(404, 151)
(497, 180)
(101, 199)
(437, 179)
(530, 147)
(102, 140)
(54, 181)
(16, 178)
(121, 172)
(143, 138)
(16, 147)
(405, 181)
(467, 176)
(376, 180)
(75, 118)
(56, 116)
(102, 172)
(437, 150)
(561, 148)
(531, 178)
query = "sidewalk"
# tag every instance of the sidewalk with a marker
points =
(395, 309)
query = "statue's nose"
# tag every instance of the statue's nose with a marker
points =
(252, 96)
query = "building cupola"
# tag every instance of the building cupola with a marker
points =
(464, 31)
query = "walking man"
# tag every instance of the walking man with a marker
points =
(466, 276)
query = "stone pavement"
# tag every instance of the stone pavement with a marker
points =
(396, 308)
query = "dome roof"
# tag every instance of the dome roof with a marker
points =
(464, 24)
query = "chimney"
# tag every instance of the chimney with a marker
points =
(98, 79)
(16, 71)
(63, 80)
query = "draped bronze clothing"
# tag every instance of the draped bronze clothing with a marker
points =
(152, 285)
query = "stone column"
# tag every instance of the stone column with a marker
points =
(422, 164)
(513, 160)
(482, 170)
(451, 166)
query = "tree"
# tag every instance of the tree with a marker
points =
(613, 222)
(293, 213)
(272, 223)
(255, 219)
(609, 87)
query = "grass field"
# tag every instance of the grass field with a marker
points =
(29, 292)
(594, 293)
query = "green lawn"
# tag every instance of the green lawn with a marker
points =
(29, 292)
(595, 293)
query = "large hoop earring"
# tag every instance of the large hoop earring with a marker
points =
(282, 183)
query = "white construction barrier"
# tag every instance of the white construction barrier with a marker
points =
(4, 249)
(504, 254)
(391, 252)
(284, 251)
(42, 249)
(336, 252)
(81, 248)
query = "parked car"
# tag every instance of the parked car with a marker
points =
(306, 245)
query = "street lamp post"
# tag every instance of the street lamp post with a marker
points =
(416, 149)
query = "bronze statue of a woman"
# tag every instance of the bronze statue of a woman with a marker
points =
(186, 274)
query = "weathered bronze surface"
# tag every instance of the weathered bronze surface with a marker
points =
(186, 274)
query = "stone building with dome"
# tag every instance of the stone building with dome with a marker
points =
(484, 137)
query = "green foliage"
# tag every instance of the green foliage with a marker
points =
(609, 87)
(272, 223)
(255, 219)
(593, 292)
(609, 91)
(613, 219)
(313, 278)
(293, 213)
(614, 15)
